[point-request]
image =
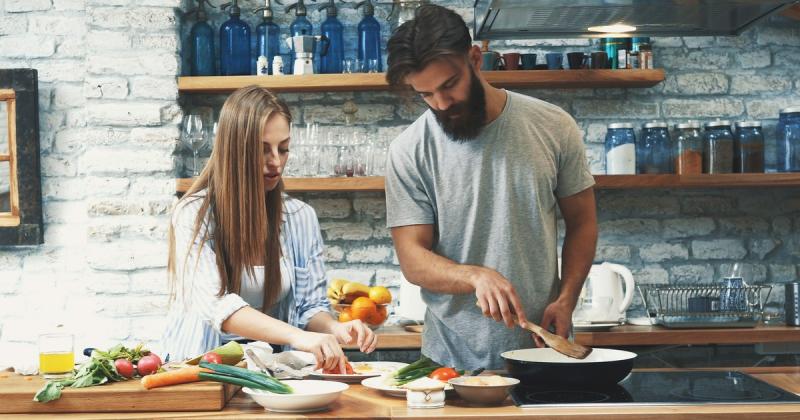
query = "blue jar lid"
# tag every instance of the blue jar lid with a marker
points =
(655, 124)
(744, 124)
(718, 123)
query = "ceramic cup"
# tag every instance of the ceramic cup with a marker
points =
(576, 60)
(490, 61)
(511, 61)
(599, 60)
(528, 61)
(554, 61)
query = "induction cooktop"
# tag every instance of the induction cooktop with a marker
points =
(661, 388)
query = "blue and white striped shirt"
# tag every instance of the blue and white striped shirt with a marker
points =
(195, 319)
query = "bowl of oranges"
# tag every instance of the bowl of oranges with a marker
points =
(352, 300)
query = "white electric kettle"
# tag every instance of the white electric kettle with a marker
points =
(603, 297)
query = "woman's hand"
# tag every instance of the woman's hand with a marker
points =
(347, 332)
(324, 347)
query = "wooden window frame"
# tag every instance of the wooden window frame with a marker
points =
(11, 219)
(24, 224)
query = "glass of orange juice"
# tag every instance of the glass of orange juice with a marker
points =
(56, 356)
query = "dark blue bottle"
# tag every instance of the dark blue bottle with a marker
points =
(201, 43)
(234, 43)
(333, 30)
(300, 26)
(369, 38)
(268, 35)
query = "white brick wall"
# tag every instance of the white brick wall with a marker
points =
(109, 124)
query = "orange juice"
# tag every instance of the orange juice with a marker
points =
(62, 362)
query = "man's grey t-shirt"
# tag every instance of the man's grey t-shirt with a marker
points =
(492, 201)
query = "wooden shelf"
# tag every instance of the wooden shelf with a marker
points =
(394, 337)
(604, 182)
(377, 81)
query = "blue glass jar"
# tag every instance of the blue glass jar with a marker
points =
(688, 149)
(654, 151)
(718, 148)
(788, 147)
(748, 148)
(620, 149)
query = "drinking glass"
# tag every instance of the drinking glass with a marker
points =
(349, 65)
(371, 66)
(194, 136)
(56, 355)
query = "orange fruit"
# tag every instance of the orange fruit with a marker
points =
(379, 316)
(362, 308)
(345, 315)
(380, 295)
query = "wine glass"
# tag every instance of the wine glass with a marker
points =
(194, 136)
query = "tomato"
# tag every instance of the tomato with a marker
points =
(212, 357)
(124, 367)
(444, 374)
(148, 364)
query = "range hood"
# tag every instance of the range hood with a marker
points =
(520, 19)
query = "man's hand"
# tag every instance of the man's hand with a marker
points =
(497, 297)
(559, 315)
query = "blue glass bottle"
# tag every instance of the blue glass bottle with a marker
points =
(654, 151)
(300, 26)
(620, 147)
(788, 150)
(234, 43)
(369, 37)
(268, 36)
(332, 29)
(201, 43)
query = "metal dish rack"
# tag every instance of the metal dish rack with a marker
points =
(668, 305)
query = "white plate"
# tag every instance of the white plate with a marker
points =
(362, 370)
(377, 383)
(595, 327)
(307, 396)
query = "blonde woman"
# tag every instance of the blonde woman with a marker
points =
(245, 260)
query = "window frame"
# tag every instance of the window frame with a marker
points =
(11, 219)
(25, 172)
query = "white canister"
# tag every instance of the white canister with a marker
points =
(425, 393)
(277, 65)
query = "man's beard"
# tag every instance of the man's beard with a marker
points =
(464, 121)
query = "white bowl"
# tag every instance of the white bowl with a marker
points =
(308, 396)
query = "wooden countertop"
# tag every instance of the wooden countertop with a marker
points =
(363, 403)
(395, 337)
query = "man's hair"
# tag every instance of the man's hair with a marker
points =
(434, 33)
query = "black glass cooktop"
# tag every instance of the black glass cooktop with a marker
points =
(662, 388)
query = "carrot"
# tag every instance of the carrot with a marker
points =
(173, 377)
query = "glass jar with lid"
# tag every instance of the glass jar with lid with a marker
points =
(788, 147)
(748, 148)
(654, 151)
(687, 149)
(620, 148)
(718, 148)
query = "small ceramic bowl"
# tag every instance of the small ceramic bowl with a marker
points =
(308, 395)
(482, 394)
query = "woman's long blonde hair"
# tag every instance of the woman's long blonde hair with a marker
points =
(244, 233)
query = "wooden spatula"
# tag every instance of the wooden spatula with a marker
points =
(559, 343)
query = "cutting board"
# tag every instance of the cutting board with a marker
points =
(16, 395)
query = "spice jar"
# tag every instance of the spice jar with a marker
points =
(654, 152)
(425, 393)
(620, 149)
(748, 148)
(718, 148)
(788, 150)
(688, 149)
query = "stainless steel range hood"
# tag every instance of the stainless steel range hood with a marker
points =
(519, 19)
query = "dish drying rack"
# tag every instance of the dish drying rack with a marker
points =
(736, 307)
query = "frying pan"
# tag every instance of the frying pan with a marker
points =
(546, 367)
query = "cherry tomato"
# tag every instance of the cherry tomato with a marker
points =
(212, 357)
(444, 374)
